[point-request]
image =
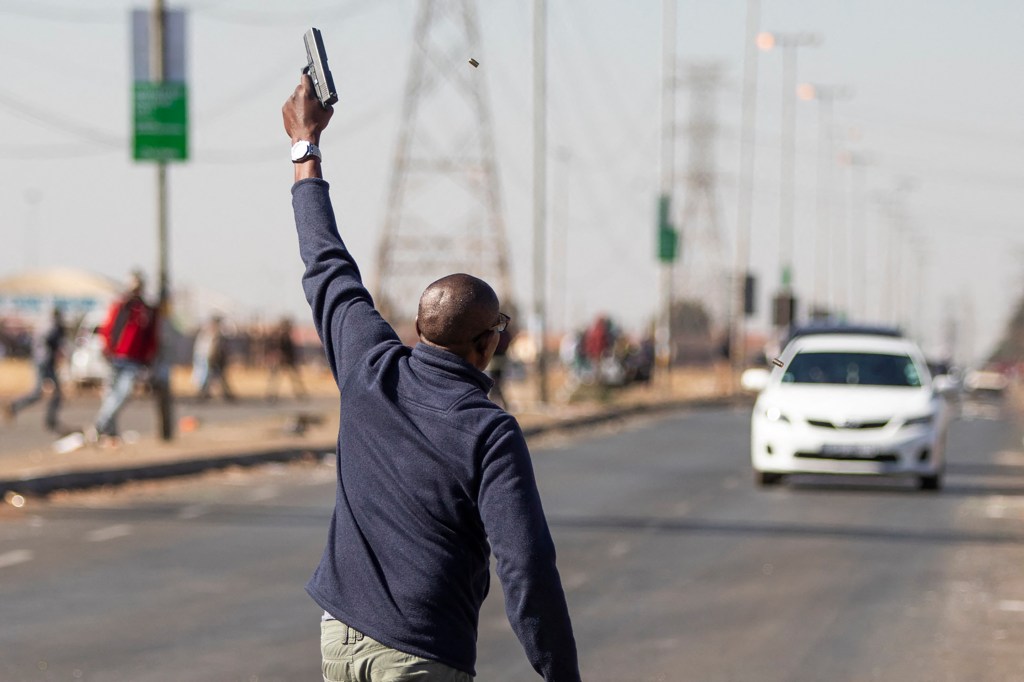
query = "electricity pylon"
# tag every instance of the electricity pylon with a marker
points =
(705, 268)
(444, 211)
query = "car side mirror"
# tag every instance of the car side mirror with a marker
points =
(755, 379)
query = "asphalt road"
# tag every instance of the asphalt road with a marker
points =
(676, 568)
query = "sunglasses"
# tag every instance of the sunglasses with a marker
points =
(501, 326)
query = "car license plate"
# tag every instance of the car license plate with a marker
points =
(852, 451)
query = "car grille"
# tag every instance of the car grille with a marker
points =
(848, 425)
(855, 457)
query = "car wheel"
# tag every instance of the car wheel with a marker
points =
(767, 478)
(930, 482)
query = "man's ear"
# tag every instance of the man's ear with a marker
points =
(418, 334)
(482, 343)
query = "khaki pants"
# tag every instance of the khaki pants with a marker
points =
(350, 656)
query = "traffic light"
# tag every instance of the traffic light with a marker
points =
(749, 295)
(783, 309)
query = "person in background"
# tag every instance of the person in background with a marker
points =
(283, 357)
(210, 360)
(47, 348)
(130, 337)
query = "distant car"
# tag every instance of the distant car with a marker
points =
(849, 401)
(87, 367)
(986, 383)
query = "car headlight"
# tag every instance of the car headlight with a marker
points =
(923, 420)
(774, 414)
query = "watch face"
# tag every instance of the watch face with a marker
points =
(303, 150)
(300, 150)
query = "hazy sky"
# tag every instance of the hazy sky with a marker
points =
(936, 107)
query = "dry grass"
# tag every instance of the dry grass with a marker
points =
(17, 376)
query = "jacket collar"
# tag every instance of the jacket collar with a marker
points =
(449, 363)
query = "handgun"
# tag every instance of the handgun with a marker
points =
(317, 68)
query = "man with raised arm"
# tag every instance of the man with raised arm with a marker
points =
(432, 475)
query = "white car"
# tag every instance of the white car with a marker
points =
(87, 367)
(849, 401)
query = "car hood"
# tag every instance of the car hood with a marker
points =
(847, 403)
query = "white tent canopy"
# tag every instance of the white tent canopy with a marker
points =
(58, 283)
(29, 296)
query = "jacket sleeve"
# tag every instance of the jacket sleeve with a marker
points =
(105, 328)
(513, 517)
(343, 312)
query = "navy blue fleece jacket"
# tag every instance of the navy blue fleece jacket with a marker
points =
(431, 476)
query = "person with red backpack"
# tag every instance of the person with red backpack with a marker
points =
(130, 345)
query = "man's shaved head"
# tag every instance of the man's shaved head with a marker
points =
(456, 309)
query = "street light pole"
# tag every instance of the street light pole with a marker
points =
(738, 342)
(893, 207)
(789, 43)
(825, 96)
(856, 237)
(540, 190)
(560, 242)
(32, 198)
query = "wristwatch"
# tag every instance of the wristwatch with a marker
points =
(303, 150)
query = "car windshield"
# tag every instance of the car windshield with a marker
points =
(862, 369)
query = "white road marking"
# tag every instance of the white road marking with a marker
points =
(619, 549)
(1009, 457)
(266, 492)
(575, 580)
(18, 556)
(109, 533)
(1012, 605)
(681, 509)
(995, 511)
(194, 511)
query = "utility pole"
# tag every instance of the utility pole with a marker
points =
(738, 342)
(859, 234)
(162, 385)
(560, 241)
(32, 228)
(918, 301)
(668, 238)
(851, 259)
(893, 206)
(540, 190)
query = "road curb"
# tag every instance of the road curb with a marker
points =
(93, 478)
(47, 484)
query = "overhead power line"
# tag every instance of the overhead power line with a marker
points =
(51, 152)
(41, 117)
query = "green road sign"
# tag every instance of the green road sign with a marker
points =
(160, 130)
(668, 237)
(161, 121)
